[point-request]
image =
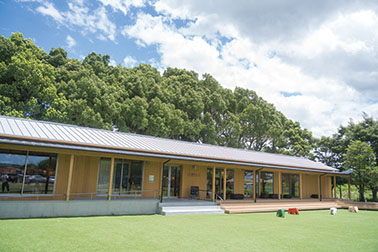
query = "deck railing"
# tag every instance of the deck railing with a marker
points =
(135, 194)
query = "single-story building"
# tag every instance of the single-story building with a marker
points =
(45, 167)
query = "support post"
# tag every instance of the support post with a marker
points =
(213, 186)
(334, 187)
(349, 195)
(279, 185)
(70, 177)
(320, 187)
(259, 181)
(254, 185)
(111, 179)
(224, 183)
(300, 186)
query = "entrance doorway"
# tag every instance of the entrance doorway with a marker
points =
(171, 181)
(290, 185)
(219, 181)
(120, 177)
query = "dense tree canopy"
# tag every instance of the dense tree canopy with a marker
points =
(177, 104)
(333, 151)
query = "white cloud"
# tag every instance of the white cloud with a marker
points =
(48, 9)
(79, 16)
(129, 61)
(71, 42)
(112, 62)
(123, 5)
(216, 43)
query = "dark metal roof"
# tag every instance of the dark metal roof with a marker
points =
(82, 137)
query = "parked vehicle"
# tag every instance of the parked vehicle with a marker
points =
(35, 179)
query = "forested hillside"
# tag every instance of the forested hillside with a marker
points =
(177, 104)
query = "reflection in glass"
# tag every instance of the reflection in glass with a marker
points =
(39, 177)
(267, 185)
(209, 185)
(248, 184)
(40, 174)
(290, 185)
(219, 181)
(171, 181)
(103, 175)
(230, 182)
(127, 176)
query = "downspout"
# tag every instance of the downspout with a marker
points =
(162, 172)
(256, 183)
(320, 185)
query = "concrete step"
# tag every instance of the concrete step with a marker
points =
(180, 210)
(185, 211)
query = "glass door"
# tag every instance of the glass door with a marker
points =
(290, 185)
(171, 181)
(121, 174)
(219, 181)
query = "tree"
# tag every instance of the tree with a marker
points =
(177, 104)
(360, 159)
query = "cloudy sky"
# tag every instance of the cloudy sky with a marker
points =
(316, 61)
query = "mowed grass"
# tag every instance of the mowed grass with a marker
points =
(310, 231)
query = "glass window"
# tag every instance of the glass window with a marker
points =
(209, 186)
(248, 184)
(38, 178)
(230, 182)
(267, 186)
(219, 181)
(103, 175)
(40, 174)
(290, 185)
(127, 176)
(12, 165)
(136, 176)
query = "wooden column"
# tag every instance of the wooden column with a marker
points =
(300, 186)
(349, 195)
(224, 183)
(259, 186)
(334, 187)
(279, 185)
(213, 186)
(254, 185)
(111, 179)
(70, 177)
(319, 187)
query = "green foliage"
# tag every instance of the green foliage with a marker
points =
(332, 150)
(177, 104)
(360, 159)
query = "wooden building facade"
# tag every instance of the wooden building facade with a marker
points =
(50, 161)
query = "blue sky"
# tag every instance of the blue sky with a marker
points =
(46, 32)
(316, 61)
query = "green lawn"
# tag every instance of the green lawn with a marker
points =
(310, 231)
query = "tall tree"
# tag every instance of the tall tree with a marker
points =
(360, 159)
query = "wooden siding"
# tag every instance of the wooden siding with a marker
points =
(151, 169)
(85, 171)
(193, 175)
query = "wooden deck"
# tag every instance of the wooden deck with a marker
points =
(249, 206)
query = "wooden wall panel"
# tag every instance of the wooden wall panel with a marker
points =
(151, 169)
(193, 176)
(310, 185)
(326, 187)
(238, 181)
(84, 176)
(276, 182)
(61, 177)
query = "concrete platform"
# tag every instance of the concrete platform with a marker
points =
(187, 207)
